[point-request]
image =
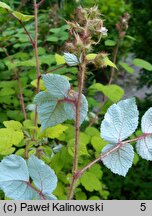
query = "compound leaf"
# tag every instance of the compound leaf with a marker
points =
(57, 85)
(14, 178)
(120, 160)
(71, 59)
(120, 121)
(144, 146)
(43, 176)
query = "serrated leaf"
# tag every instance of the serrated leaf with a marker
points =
(71, 59)
(15, 125)
(120, 160)
(146, 122)
(90, 182)
(113, 92)
(55, 131)
(14, 178)
(120, 121)
(43, 97)
(22, 17)
(9, 137)
(57, 85)
(58, 104)
(43, 176)
(59, 59)
(143, 64)
(82, 150)
(91, 56)
(51, 114)
(126, 67)
(70, 110)
(144, 146)
(5, 6)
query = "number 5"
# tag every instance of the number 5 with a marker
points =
(143, 206)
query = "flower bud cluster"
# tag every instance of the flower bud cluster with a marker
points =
(86, 30)
(122, 25)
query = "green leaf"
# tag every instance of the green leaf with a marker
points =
(98, 143)
(42, 86)
(6, 91)
(80, 195)
(96, 170)
(110, 43)
(120, 121)
(22, 17)
(113, 92)
(15, 125)
(92, 131)
(52, 39)
(143, 64)
(90, 182)
(9, 137)
(91, 56)
(59, 59)
(82, 149)
(55, 131)
(126, 67)
(5, 6)
(108, 62)
(119, 161)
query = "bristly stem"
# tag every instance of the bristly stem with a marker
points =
(81, 76)
(80, 172)
(38, 74)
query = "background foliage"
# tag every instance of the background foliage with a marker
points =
(55, 145)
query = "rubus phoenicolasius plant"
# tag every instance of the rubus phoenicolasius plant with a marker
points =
(30, 177)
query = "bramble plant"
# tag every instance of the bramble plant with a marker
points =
(57, 101)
